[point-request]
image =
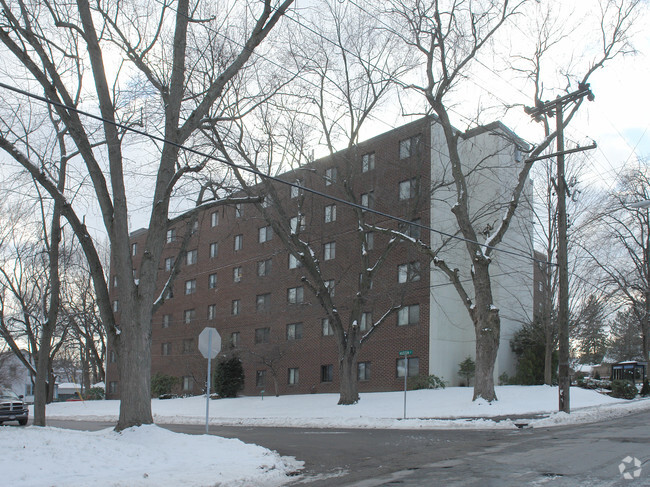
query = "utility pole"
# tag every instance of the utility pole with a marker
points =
(556, 108)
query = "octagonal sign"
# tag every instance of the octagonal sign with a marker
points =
(204, 342)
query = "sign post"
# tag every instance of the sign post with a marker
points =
(209, 346)
(405, 354)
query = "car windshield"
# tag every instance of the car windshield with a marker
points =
(6, 394)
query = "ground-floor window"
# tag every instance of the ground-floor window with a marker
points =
(363, 371)
(326, 373)
(188, 383)
(260, 379)
(293, 376)
(112, 387)
(414, 367)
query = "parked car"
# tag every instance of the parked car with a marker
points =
(12, 407)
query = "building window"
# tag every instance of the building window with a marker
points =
(188, 383)
(166, 321)
(413, 229)
(134, 249)
(169, 293)
(195, 227)
(116, 306)
(263, 302)
(234, 339)
(237, 274)
(212, 311)
(294, 262)
(368, 199)
(214, 219)
(266, 201)
(235, 307)
(112, 358)
(265, 233)
(166, 348)
(239, 210)
(414, 367)
(171, 235)
(329, 251)
(296, 190)
(408, 272)
(330, 213)
(409, 147)
(408, 189)
(239, 242)
(366, 321)
(329, 284)
(190, 286)
(112, 387)
(262, 335)
(295, 295)
(363, 371)
(114, 281)
(263, 267)
(214, 250)
(297, 223)
(212, 281)
(191, 257)
(326, 373)
(294, 331)
(293, 374)
(327, 327)
(169, 264)
(189, 315)
(368, 162)
(188, 345)
(408, 315)
(260, 379)
(330, 176)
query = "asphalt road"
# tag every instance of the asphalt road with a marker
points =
(585, 455)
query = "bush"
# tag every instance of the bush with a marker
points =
(229, 377)
(623, 389)
(425, 382)
(163, 384)
(94, 394)
(645, 390)
(467, 369)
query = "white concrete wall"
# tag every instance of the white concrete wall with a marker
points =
(491, 175)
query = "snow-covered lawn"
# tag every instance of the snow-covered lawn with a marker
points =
(153, 456)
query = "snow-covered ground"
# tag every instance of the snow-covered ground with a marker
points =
(153, 456)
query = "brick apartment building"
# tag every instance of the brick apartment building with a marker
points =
(239, 277)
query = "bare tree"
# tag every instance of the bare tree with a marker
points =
(450, 37)
(625, 260)
(348, 69)
(178, 66)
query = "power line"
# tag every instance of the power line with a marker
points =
(262, 175)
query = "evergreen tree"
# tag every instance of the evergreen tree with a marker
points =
(589, 331)
(529, 346)
(625, 342)
(229, 376)
(467, 369)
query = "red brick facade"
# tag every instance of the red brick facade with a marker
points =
(254, 278)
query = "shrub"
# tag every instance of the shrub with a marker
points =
(94, 394)
(504, 379)
(467, 369)
(163, 384)
(425, 382)
(623, 389)
(645, 390)
(229, 377)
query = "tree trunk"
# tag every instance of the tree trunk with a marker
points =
(42, 373)
(134, 346)
(487, 345)
(349, 392)
(548, 361)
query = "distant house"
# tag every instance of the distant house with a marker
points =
(15, 376)
(67, 390)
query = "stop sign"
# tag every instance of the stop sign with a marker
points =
(204, 342)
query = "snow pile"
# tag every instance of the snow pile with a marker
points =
(143, 456)
(439, 408)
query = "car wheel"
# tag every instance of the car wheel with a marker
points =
(22, 422)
